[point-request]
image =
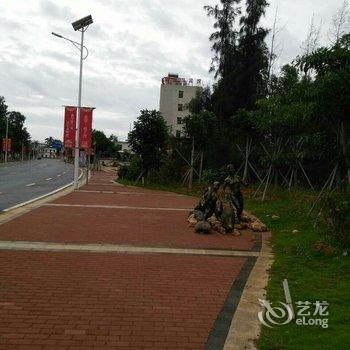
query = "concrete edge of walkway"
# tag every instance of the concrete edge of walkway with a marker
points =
(245, 327)
(119, 248)
(25, 207)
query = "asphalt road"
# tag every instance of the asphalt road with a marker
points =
(21, 182)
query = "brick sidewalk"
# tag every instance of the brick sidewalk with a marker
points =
(85, 300)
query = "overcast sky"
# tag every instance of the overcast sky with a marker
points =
(132, 45)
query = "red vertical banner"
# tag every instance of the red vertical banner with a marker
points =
(6, 145)
(70, 117)
(85, 130)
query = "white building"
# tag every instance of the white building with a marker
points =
(124, 146)
(175, 94)
(48, 152)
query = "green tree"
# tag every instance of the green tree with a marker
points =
(251, 69)
(224, 40)
(241, 61)
(113, 147)
(103, 145)
(113, 138)
(224, 37)
(201, 125)
(201, 101)
(149, 139)
(331, 97)
(3, 111)
(49, 141)
(16, 128)
(18, 132)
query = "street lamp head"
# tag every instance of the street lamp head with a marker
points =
(58, 35)
(81, 23)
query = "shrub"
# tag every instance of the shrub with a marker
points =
(211, 175)
(168, 173)
(132, 171)
(335, 217)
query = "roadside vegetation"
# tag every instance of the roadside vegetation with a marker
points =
(316, 266)
(287, 133)
(17, 131)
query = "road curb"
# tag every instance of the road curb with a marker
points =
(245, 327)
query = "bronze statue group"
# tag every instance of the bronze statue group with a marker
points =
(221, 205)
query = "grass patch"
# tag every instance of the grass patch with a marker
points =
(313, 274)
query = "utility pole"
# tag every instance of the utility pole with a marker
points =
(77, 139)
(79, 25)
(22, 155)
(7, 135)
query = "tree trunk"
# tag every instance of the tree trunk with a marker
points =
(190, 183)
(343, 163)
(201, 167)
(247, 151)
(296, 177)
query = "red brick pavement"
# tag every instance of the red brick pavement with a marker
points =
(125, 197)
(75, 300)
(119, 226)
(110, 301)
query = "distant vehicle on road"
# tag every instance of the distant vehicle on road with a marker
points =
(39, 157)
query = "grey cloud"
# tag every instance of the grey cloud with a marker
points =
(57, 88)
(60, 57)
(164, 19)
(122, 74)
(96, 31)
(49, 8)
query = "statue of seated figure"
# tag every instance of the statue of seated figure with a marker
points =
(209, 201)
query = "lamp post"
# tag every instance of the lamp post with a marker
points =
(79, 25)
(7, 135)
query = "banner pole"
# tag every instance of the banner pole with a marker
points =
(77, 129)
(6, 137)
(87, 168)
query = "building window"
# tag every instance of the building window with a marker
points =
(180, 107)
(178, 133)
(179, 120)
(181, 94)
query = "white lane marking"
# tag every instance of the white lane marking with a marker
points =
(113, 207)
(42, 196)
(58, 175)
(48, 179)
(32, 184)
